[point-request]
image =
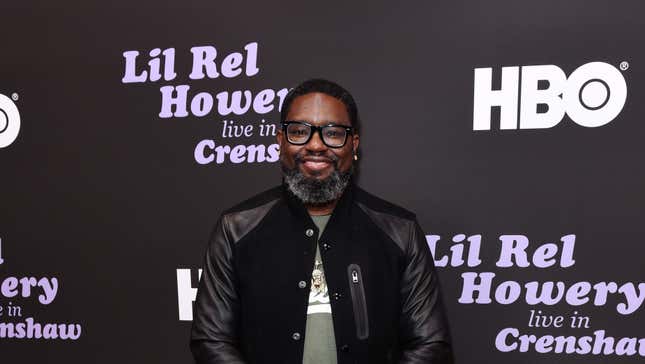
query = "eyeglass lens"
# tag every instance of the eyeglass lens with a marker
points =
(333, 136)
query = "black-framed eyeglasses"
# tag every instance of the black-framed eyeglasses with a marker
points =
(332, 135)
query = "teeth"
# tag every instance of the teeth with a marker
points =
(315, 165)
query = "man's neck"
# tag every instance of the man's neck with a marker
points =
(317, 210)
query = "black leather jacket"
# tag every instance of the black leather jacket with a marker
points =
(251, 304)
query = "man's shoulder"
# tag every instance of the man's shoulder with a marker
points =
(381, 206)
(242, 218)
(261, 199)
(395, 221)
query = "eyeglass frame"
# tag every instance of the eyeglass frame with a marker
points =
(349, 130)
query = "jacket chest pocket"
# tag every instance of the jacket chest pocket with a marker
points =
(359, 303)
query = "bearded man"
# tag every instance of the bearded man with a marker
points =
(317, 270)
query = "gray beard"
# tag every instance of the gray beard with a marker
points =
(313, 191)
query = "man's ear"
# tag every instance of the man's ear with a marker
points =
(355, 142)
(280, 138)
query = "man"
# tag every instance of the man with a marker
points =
(318, 270)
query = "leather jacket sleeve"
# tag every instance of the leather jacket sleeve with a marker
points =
(215, 319)
(424, 331)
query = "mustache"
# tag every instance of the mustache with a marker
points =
(305, 155)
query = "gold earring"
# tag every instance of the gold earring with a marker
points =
(355, 156)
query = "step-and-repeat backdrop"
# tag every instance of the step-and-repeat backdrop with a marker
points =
(514, 129)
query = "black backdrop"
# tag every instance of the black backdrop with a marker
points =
(107, 197)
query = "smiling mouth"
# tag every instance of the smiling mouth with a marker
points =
(316, 165)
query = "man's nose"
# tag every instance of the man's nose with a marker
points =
(316, 144)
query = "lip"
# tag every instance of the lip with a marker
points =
(316, 164)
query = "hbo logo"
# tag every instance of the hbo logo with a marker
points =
(592, 96)
(9, 121)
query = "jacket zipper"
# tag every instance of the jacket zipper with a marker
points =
(358, 301)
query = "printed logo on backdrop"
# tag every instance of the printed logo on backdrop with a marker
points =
(538, 97)
(16, 322)
(9, 120)
(238, 114)
(187, 292)
(515, 252)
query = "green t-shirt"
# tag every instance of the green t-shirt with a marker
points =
(320, 343)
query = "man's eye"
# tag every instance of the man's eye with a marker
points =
(300, 132)
(334, 133)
